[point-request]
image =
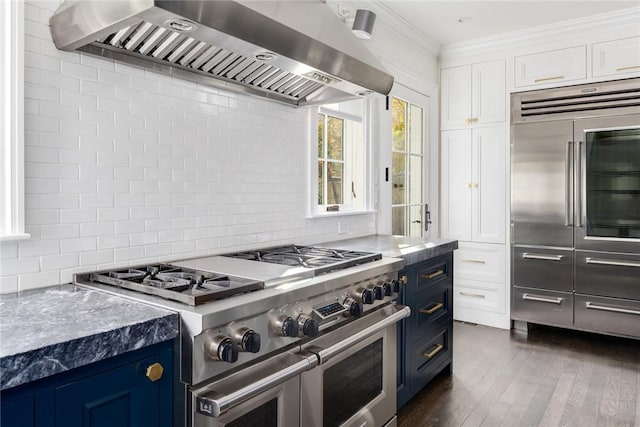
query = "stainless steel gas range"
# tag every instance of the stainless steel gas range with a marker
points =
(282, 336)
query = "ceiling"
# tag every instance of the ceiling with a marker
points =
(440, 20)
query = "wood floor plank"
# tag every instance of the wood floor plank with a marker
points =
(550, 377)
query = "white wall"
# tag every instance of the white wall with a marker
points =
(124, 166)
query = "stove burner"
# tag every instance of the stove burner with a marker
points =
(322, 260)
(181, 284)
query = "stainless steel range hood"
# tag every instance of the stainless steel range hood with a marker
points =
(296, 52)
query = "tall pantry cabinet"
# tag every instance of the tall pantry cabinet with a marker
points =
(474, 175)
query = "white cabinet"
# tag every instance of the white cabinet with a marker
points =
(473, 94)
(474, 184)
(551, 67)
(480, 287)
(616, 57)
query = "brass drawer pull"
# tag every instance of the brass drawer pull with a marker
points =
(633, 67)
(546, 79)
(530, 297)
(154, 372)
(432, 275)
(469, 294)
(431, 310)
(433, 352)
(475, 261)
(592, 306)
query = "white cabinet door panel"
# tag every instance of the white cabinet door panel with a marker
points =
(551, 67)
(616, 57)
(488, 203)
(489, 92)
(456, 96)
(456, 184)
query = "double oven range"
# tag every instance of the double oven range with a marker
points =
(283, 336)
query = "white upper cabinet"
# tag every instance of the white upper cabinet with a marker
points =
(473, 94)
(551, 67)
(616, 57)
(474, 180)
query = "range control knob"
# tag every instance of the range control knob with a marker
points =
(220, 347)
(388, 288)
(378, 292)
(355, 307)
(397, 283)
(364, 295)
(308, 326)
(286, 326)
(248, 340)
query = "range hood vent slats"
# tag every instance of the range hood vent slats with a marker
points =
(590, 100)
(219, 43)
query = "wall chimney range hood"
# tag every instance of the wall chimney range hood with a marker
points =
(295, 52)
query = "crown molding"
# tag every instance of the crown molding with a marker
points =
(560, 30)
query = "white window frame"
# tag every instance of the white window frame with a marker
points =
(12, 122)
(315, 210)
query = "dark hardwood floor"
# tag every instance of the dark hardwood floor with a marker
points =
(550, 377)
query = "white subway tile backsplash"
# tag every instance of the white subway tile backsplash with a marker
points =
(22, 265)
(37, 280)
(42, 216)
(97, 229)
(78, 245)
(158, 250)
(96, 257)
(58, 201)
(113, 214)
(111, 242)
(42, 62)
(96, 201)
(126, 254)
(74, 186)
(128, 227)
(148, 238)
(59, 231)
(77, 99)
(76, 216)
(8, 284)
(41, 186)
(58, 262)
(98, 89)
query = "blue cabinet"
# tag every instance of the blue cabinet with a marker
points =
(114, 392)
(425, 338)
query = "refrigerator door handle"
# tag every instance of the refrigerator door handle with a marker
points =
(568, 196)
(578, 188)
(528, 255)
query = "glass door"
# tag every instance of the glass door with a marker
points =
(408, 181)
(609, 208)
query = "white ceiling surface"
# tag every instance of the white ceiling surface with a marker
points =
(438, 20)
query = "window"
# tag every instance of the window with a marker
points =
(11, 121)
(340, 153)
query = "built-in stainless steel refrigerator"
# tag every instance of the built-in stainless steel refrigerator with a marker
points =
(575, 207)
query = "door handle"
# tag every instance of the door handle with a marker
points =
(427, 217)
(437, 348)
(432, 275)
(568, 199)
(578, 186)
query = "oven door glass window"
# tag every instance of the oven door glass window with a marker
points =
(612, 169)
(351, 384)
(263, 416)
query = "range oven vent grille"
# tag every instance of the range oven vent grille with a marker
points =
(590, 100)
(178, 50)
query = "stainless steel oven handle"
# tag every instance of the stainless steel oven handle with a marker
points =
(400, 312)
(612, 262)
(592, 306)
(213, 404)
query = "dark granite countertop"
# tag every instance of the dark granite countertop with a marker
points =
(52, 330)
(411, 249)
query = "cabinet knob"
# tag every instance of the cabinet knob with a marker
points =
(467, 121)
(404, 280)
(474, 120)
(154, 372)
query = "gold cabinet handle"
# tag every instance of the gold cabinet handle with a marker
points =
(432, 275)
(475, 261)
(633, 67)
(546, 79)
(404, 280)
(431, 310)
(154, 372)
(433, 352)
(469, 294)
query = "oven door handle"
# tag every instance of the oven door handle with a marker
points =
(214, 400)
(398, 312)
